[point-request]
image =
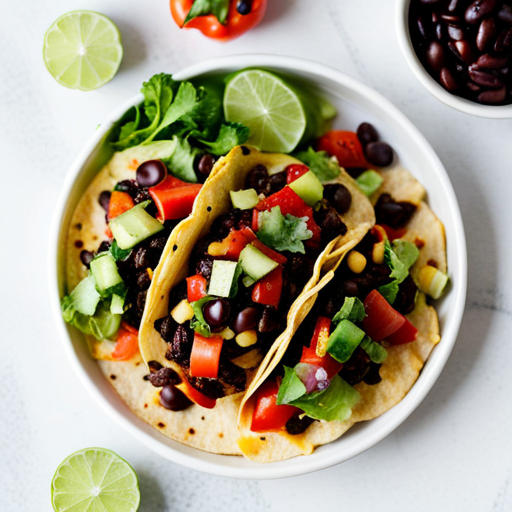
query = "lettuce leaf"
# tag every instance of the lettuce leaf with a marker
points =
(291, 387)
(198, 323)
(369, 182)
(377, 353)
(352, 309)
(325, 167)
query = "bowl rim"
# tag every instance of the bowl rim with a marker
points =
(435, 89)
(397, 414)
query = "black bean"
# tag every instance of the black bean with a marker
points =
(453, 5)
(257, 178)
(166, 327)
(465, 50)
(379, 153)
(367, 133)
(350, 289)
(297, 425)
(505, 14)
(247, 319)
(244, 7)
(86, 257)
(129, 186)
(233, 375)
(493, 97)
(141, 302)
(277, 182)
(174, 399)
(439, 31)
(504, 42)
(478, 9)
(329, 222)
(269, 320)
(104, 199)
(163, 377)
(339, 196)
(405, 298)
(422, 28)
(455, 33)
(355, 369)
(373, 377)
(435, 56)
(485, 79)
(448, 80)
(204, 267)
(205, 164)
(450, 18)
(395, 214)
(104, 246)
(151, 173)
(485, 33)
(216, 313)
(487, 61)
(212, 388)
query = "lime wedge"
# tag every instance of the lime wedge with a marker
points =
(270, 109)
(82, 50)
(95, 480)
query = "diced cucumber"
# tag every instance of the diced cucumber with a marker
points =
(221, 281)
(248, 281)
(369, 181)
(117, 305)
(134, 226)
(244, 199)
(85, 297)
(255, 264)
(344, 340)
(104, 271)
(309, 188)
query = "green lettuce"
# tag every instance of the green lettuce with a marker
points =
(352, 309)
(325, 167)
(198, 323)
(230, 135)
(181, 161)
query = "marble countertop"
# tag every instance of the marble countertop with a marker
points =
(453, 453)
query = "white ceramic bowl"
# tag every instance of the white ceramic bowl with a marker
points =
(456, 102)
(356, 103)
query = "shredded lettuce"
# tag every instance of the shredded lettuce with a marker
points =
(352, 309)
(283, 232)
(324, 167)
(377, 353)
(198, 323)
(291, 387)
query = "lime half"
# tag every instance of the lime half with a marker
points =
(268, 107)
(82, 50)
(95, 480)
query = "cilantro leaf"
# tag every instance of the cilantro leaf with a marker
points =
(219, 8)
(230, 135)
(326, 168)
(283, 232)
(291, 387)
(181, 161)
(117, 253)
(198, 323)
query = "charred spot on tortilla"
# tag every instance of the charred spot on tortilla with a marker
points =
(419, 243)
(161, 425)
(432, 263)
(78, 226)
(191, 431)
(221, 435)
(113, 377)
(245, 150)
(174, 247)
(145, 406)
(209, 208)
(79, 244)
(202, 417)
(263, 438)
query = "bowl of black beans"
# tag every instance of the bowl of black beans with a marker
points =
(461, 51)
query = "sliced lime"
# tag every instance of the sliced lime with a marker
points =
(82, 50)
(268, 107)
(95, 480)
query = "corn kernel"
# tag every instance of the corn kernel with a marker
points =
(249, 359)
(217, 249)
(378, 253)
(182, 312)
(432, 281)
(356, 262)
(425, 277)
(150, 273)
(247, 338)
(227, 334)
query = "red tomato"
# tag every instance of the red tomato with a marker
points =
(392, 233)
(196, 396)
(295, 171)
(196, 287)
(237, 240)
(120, 202)
(405, 334)
(268, 289)
(267, 415)
(236, 23)
(345, 146)
(309, 356)
(205, 356)
(381, 319)
(174, 198)
(127, 343)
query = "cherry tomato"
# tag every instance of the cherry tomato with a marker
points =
(345, 146)
(235, 25)
(381, 320)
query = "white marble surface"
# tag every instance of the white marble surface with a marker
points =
(454, 453)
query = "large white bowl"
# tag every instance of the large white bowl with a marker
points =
(356, 103)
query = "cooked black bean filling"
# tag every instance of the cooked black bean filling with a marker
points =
(295, 425)
(329, 222)
(164, 377)
(395, 214)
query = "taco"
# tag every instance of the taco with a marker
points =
(224, 295)
(360, 337)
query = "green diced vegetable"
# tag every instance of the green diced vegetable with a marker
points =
(248, 281)
(406, 252)
(134, 226)
(352, 309)
(244, 199)
(255, 264)
(309, 188)
(85, 298)
(221, 281)
(105, 273)
(117, 305)
(377, 353)
(344, 340)
(291, 387)
(369, 182)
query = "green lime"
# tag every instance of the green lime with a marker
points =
(270, 109)
(95, 480)
(82, 50)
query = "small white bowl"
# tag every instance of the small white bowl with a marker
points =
(355, 103)
(434, 88)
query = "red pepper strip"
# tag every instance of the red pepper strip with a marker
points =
(379, 232)
(127, 343)
(205, 356)
(255, 220)
(381, 320)
(309, 356)
(196, 396)
(268, 289)
(267, 415)
(392, 233)
(267, 251)
(120, 202)
(345, 146)
(295, 171)
(174, 198)
(196, 287)
(290, 203)
(405, 334)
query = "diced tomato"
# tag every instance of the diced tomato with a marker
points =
(268, 289)
(174, 198)
(392, 233)
(196, 396)
(255, 220)
(196, 287)
(108, 232)
(309, 355)
(381, 319)
(295, 171)
(205, 356)
(345, 146)
(267, 415)
(120, 202)
(379, 232)
(238, 239)
(267, 251)
(405, 334)
(127, 343)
